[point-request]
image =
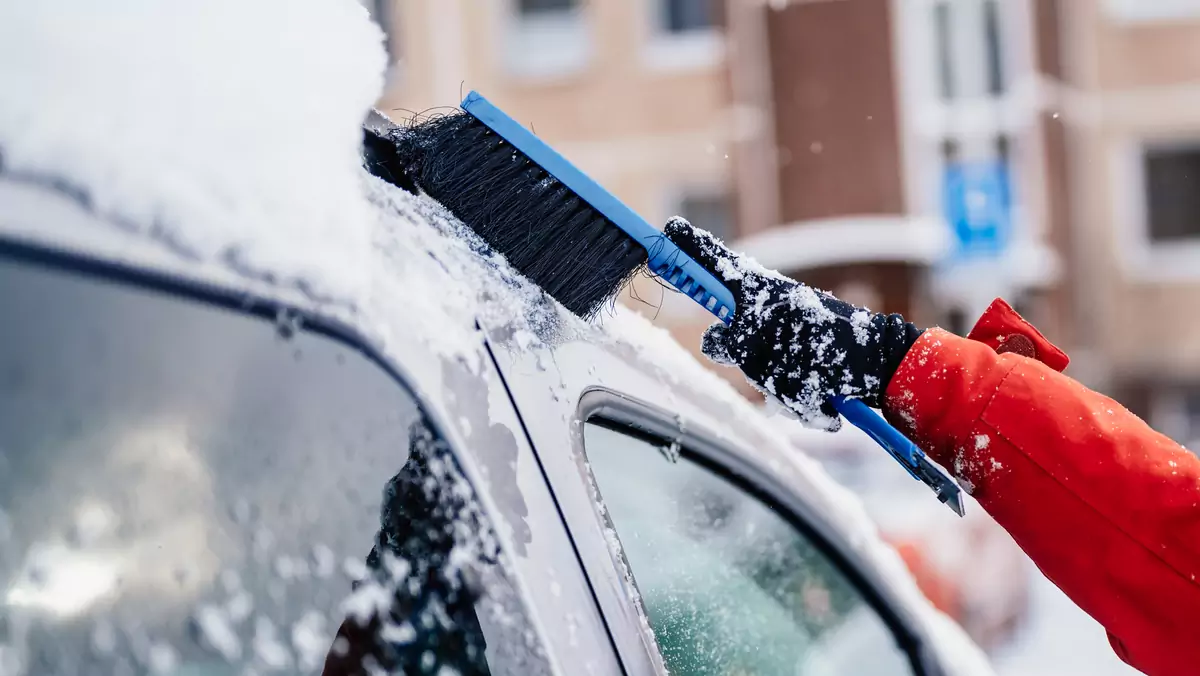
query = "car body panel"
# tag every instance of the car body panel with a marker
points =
(545, 363)
(466, 401)
(558, 379)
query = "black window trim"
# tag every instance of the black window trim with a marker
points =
(625, 414)
(244, 302)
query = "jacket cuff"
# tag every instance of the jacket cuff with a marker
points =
(945, 382)
(940, 390)
(1003, 330)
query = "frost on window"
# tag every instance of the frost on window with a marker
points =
(185, 490)
(413, 610)
(727, 584)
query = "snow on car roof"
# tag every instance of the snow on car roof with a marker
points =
(200, 122)
(228, 134)
(220, 140)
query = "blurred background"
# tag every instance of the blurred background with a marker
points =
(914, 156)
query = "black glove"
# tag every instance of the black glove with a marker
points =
(792, 341)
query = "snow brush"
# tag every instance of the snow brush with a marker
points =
(567, 234)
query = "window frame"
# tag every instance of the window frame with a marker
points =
(85, 266)
(1149, 152)
(943, 51)
(528, 59)
(676, 197)
(996, 70)
(668, 51)
(628, 415)
(1141, 257)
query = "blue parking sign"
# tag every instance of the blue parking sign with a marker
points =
(977, 206)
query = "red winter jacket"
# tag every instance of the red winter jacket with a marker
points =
(1105, 506)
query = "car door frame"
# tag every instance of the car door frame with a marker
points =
(585, 379)
(629, 415)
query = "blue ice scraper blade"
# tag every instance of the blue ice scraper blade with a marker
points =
(902, 449)
(673, 266)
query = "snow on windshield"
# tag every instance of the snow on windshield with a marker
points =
(203, 124)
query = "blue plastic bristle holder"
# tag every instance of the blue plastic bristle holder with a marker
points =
(675, 267)
(666, 260)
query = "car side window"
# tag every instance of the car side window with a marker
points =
(730, 586)
(189, 489)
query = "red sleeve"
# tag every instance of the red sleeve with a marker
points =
(1105, 506)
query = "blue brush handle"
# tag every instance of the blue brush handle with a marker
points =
(670, 263)
(875, 426)
(666, 260)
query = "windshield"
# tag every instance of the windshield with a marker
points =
(186, 489)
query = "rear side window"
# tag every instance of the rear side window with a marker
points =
(730, 586)
(186, 489)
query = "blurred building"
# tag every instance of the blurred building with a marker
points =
(896, 153)
(633, 91)
(1127, 88)
(916, 156)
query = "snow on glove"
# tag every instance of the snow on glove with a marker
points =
(792, 341)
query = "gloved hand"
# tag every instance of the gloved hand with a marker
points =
(792, 341)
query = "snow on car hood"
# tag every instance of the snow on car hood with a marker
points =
(227, 132)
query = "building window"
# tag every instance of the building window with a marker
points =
(547, 39)
(992, 36)
(950, 150)
(709, 211)
(1175, 411)
(685, 35)
(682, 16)
(530, 7)
(945, 48)
(956, 321)
(1191, 406)
(1003, 148)
(1172, 193)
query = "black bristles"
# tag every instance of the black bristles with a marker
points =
(544, 230)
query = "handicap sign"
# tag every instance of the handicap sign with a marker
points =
(977, 207)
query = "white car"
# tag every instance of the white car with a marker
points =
(261, 412)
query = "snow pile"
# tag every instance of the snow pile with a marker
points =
(199, 122)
